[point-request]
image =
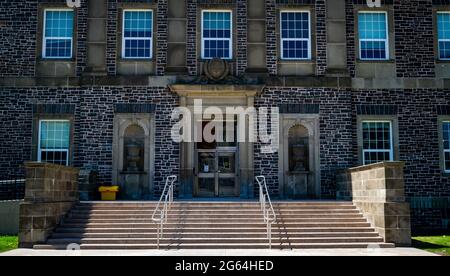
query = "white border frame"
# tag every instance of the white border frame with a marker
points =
(441, 40)
(123, 33)
(44, 38)
(39, 151)
(295, 39)
(374, 40)
(223, 39)
(391, 138)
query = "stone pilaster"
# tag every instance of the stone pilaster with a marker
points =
(336, 37)
(96, 40)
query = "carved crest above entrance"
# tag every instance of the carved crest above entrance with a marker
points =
(216, 69)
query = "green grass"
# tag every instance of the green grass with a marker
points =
(8, 243)
(436, 244)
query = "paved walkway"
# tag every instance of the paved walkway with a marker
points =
(298, 252)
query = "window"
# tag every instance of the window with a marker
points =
(446, 145)
(216, 34)
(377, 142)
(137, 35)
(373, 35)
(295, 35)
(58, 34)
(54, 141)
(444, 35)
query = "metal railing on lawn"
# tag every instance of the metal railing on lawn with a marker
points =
(162, 208)
(266, 207)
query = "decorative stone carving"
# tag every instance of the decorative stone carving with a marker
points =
(216, 69)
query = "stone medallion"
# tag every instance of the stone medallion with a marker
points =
(216, 69)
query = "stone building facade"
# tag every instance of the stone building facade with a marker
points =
(327, 98)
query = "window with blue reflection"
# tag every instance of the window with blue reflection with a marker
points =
(58, 34)
(217, 34)
(137, 34)
(295, 35)
(443, 19)
(373, 35)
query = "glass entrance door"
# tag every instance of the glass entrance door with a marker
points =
(216, 169)
(216, 175)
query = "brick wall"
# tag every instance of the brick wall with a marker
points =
(321, 37)
(414, 38)
(335, 132)
(18, 25)
(93, 129)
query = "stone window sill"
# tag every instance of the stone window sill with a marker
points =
(375, 61)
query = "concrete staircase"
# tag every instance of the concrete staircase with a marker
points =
(215, 225)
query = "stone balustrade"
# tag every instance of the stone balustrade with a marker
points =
(50, 192)
(378, 190)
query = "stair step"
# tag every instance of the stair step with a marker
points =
(222, 234)
(216, 216)
(220, 246)
(64, 229)
(213, 220)
(201, 240)
(215, 225)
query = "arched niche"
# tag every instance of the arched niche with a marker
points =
(299, 163)
(298, 143)
(133, 155)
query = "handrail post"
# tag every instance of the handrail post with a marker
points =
(268, 212)
(167, 197)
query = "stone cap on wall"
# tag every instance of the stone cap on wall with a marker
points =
(34, 164)
(387, 164)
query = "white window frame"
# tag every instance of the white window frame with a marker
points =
(391, 138)
(295, 39)
(441, 40)
(374, 40)
(40, 150)
(230, 56)
(123, 33)
(444, 151)
(44, 38)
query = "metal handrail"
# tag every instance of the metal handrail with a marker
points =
(166, 199)
(266, 206)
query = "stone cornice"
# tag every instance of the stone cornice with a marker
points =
(272, 81)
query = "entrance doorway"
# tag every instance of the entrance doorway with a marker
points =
(216, 165)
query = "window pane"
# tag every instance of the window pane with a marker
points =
(55, 135)
(372, 28)
(138, 34)
(446, 135)
(217, 34)
(58, 33)
(377, 142)
(444, 25)
(54, 141)
(295, 35)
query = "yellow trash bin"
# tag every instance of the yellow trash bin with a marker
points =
(108, 192)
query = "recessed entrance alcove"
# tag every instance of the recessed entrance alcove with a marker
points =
(217, 169)
(133, 157)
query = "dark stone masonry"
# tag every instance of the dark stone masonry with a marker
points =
(411, 88)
